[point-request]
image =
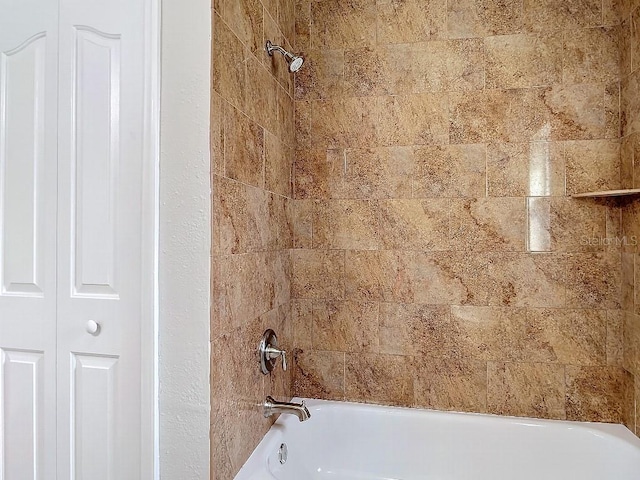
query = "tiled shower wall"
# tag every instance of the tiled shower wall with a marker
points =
(438, 259)
(630, 153)
(252, 142)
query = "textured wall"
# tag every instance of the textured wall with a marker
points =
(438, 258)
(630, 115)
(252, 151)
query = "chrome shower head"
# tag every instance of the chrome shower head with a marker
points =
(295, 62)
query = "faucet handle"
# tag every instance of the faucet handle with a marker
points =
(268, 352)
(273, 353)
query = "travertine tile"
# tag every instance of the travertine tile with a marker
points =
(448, 278)
(303, 223)
(635, 414)
(345, 326)
(625, 37)
(278, 166)
(549, 15)
(273, 63)
(416, 329)
(417, 143)
(592, 165)
(575, 337)
(627, 282)
(631, 227)
(302, 122)
(468, 117)
(523, 60)
(630, 104)
(217, 134)
(285, 118)
(517, 115)
(567, 225)
(493, 333)
(414, 224)
(593, 280)
(598, 394)
(372, 173)
(244, 148)
(314, 171)
(526, 389)
(631, 354)
(302, 320)
(412, 120)
(343, 24)
(449, 65)
(317, 274)
(377, 275)
(348, 122)
(480, 18)
(525, 280)
(615, 337)
(520, 169)
(319, 374)
(450, 171)
(248, 219)
(245, 18)
(322, 75)
(379, 378)
(627, 159)
(612, 110)
(365, 72)
(636, 284)
(250, 285)
(286, 18)
(591, 55)
(451, 384)
(262, 106)
(228, 77)
(303, 24)
(613, 11)
(635, 39)
(353, 225)
(488, 224)
(577, 111)
(410, 21)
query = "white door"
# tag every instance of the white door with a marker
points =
(28, 139)
(88, 301)
(100, 162)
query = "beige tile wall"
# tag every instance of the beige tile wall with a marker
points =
(438, 259)
(252, 141)
(630, 115)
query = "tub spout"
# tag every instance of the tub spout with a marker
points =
(272, 407)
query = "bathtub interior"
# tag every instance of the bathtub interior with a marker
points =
(351, 441)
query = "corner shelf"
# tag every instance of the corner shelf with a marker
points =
(608, 193)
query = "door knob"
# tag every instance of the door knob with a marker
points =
(93, 327)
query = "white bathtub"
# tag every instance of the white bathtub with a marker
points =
(365, 442)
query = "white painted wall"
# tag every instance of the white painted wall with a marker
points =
(185, 241)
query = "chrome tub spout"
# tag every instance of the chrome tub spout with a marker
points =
(272, 407)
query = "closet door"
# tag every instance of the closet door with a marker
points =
(100, 238)
(28, 98)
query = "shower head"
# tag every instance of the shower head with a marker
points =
(295, 62)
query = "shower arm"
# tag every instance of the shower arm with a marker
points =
(271, 47)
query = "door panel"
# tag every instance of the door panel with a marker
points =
(22, 399)
(28, 144)
(101, 123)
(22, 160)
(95, 158)
(93, 414)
